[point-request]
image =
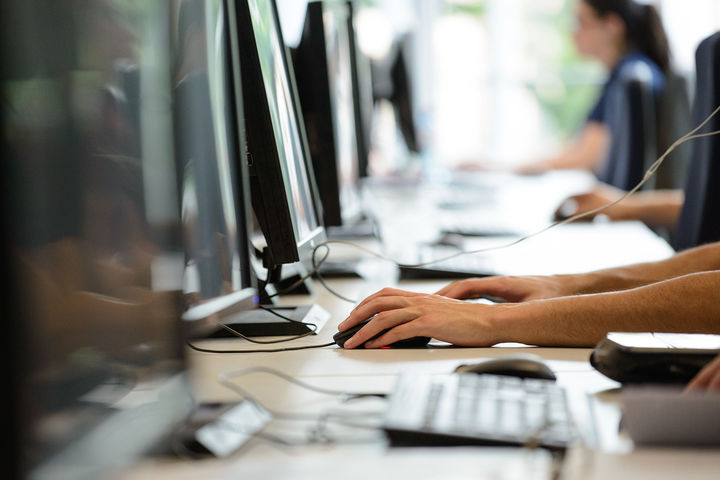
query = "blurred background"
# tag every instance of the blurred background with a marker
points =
(492, 80)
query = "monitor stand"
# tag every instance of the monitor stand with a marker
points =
(262, 323)
(363, 228)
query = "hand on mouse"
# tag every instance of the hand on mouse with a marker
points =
(597, 198)
(512, 289)
(410, 314)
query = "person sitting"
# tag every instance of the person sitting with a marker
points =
(623, 35)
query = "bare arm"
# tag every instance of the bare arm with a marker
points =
(520, 289)
(586, 152)
(684, 304)
(657, 208)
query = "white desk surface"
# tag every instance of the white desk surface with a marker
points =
(363, 453)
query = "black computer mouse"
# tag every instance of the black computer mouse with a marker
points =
(522, 365)
(414, 342)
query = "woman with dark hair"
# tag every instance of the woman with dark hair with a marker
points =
(623, 35)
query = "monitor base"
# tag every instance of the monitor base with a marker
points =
(262, 323)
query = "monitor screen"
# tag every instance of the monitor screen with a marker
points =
(92, 236)
(284, 197)
(213, 194)
(364, 103)
(338, 47)
(322, 62)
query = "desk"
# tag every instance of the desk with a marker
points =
(363, 452)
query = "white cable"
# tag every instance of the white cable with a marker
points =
(691, 135)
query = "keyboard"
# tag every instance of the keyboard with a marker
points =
(472, 409)
(462, 266)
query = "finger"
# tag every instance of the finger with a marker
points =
(386, 292)
(372, 307)
(457, 289)
(714, 383)
(402, 331)
(381, 322)
(702, 379)
(474, 288)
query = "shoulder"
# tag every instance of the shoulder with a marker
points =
(636, 66)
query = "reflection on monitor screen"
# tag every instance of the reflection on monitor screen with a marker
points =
(93, 230)
(213, 207)
(337, 42)
(284, 120)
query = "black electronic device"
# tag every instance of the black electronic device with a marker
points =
(364, 102)
(415, 342)
(282, 182)
(468, 409)
(392, 81)
(92, 257)
(522, 366)
(323, 65)
(632, 358)
(218, 281)
(284, 192)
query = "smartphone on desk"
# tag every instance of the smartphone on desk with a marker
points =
(655, 358)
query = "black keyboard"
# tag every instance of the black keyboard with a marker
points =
(472, 409)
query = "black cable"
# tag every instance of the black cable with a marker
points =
(316, 269)
(272, 350)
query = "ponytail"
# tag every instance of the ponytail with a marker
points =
(644, 30)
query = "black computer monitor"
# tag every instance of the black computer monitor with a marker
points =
(92, 253)
(402, 95)
(218, 280)
(392, 81)
(323, 68)
(364, 103)
(284, 192)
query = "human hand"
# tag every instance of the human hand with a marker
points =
(599, 197)
(708, 378)
(409, 314)
(512, 289)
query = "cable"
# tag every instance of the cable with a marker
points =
(316, 269)
(303, 278)
(318, 434)
(272, 371)
(271, 350)
(691, 135)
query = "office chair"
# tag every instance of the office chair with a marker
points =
(632, 119)
(674, 120)
(699, 221)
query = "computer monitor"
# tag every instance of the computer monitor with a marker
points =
(284, 193)
(392, 81)
(323, 68)
(402, 95)
(364, 103)
(218, 281)
(92, 253)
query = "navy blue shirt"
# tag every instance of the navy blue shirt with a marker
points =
(627, 65)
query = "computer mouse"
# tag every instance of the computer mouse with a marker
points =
(414, 342)
(523, 366)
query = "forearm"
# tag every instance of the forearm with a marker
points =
(684, 304)
(659, 208)
(699, 259)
